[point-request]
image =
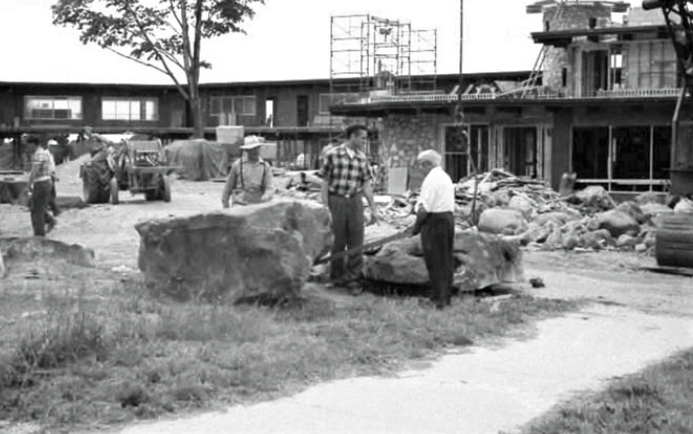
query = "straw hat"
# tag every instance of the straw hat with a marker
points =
(251, 142)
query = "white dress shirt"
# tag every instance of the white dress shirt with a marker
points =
(437, 192)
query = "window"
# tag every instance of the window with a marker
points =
(240, 105)
(129, 109)
(53, 107)
(328, 99)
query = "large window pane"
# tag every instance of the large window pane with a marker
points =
(661, 152)
(129, 109)
(631, 152)
(57, 107)
(591, 152)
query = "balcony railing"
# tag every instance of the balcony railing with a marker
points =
(535, 93)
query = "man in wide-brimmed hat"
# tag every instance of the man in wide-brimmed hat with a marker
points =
(250, 178)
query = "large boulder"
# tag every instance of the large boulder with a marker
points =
(248, 253)
(525, 205)
(618, 223)
(559, 217)
(38, 249)
(500, 221)
(655, 209)
(650, 198)
(593, 196)
(633, 210)
(481, 260)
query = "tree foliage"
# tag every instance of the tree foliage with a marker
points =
(165, 35)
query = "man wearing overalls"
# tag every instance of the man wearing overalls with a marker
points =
(250, 178)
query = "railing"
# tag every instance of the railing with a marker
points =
(638, 93)
(535, 93)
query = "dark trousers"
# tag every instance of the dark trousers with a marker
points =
(40, 199)
(438, 239)
(52, 204)
(347, 229)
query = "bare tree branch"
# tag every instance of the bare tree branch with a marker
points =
(141, 62)
(145, 35)
(172, 8)
(180, 87)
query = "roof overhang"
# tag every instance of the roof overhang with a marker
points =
(563, 38)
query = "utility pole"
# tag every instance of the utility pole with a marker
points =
(459, 119)
(459, 115)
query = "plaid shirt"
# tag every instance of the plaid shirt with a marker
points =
(346, 174)
(41, 166)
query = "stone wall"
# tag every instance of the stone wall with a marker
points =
(571, 17)
(404, 136)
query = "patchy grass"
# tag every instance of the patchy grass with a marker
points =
(657, 400)
(81, 359)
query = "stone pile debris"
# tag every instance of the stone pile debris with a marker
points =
(530, 212)
(587, 219)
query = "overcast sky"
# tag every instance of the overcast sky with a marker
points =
(287, 39)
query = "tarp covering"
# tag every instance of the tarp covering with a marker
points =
(200, 160)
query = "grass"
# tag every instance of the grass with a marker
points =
(657, 400)
(84, 360)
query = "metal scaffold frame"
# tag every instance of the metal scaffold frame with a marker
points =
(364, 47)
(369, 53)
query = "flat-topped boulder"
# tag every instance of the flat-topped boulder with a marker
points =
(242, 254)
(481, 260)
(36, 249)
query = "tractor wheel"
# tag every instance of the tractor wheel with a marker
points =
(91, 185)
(165, 189)
(114, 190)
(151, 195)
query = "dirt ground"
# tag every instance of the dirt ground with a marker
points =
(613, 279)
(109, 230)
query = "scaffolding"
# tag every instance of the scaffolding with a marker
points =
(374, 56)
(369, 53)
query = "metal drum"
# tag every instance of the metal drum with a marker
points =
(674, 241)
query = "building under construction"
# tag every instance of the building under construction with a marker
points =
(599, 103)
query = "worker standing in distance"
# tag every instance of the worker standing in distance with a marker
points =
(52, 204)
(250, 179)
(40, 186)
(435, 221)
(346, 180)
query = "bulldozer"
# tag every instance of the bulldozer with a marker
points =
(137, 166)
(674, 238)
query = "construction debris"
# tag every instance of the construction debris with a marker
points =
(526, 210)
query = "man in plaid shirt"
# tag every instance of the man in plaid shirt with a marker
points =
(346, 179)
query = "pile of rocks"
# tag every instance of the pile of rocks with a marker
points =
(588, 219)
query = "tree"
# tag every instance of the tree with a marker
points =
(165, 35)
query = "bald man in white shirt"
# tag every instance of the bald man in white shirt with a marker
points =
(436, 223)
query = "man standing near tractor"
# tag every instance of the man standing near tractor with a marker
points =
(41, 187)
(250, 178)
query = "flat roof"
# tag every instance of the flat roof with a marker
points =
(307, 81)
(565, 37)
(380, 108)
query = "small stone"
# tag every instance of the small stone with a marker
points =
(640, 248)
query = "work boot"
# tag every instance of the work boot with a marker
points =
(355, 288)
(51, 225)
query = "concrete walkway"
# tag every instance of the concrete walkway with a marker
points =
(480, 391)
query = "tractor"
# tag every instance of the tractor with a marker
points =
(138, 166)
